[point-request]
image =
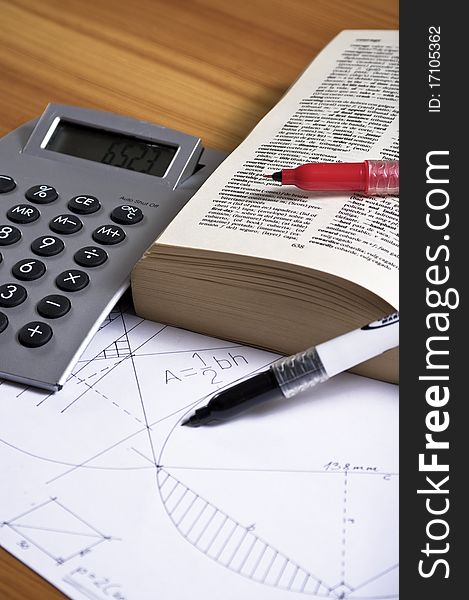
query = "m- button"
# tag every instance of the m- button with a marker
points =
(108, 234)
(66, 224)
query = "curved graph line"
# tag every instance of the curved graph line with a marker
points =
(186, 509)
(231, 544)
(68, 464)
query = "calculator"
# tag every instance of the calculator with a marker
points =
(83, 194)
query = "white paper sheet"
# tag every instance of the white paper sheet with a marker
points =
(106, 496)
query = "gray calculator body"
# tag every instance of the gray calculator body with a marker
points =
(167, 168)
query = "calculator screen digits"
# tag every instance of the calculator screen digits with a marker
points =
(111, 148)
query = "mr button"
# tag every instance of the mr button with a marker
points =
(108, 234)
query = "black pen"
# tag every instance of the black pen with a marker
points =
(294, 374)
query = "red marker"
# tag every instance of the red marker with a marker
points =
(371, 177)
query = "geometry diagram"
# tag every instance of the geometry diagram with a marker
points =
(299, 495)
(55, 530)
(315, 527)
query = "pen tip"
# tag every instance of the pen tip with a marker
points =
(277, 176)
(266, 176)
(190, 422)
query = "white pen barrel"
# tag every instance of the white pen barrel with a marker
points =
(357, 346)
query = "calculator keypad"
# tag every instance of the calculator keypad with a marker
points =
(34, 334)
(9, 235)
(41, 194)
(23, 213)
(12, 294)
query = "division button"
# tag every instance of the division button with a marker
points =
(53, 306)
(9, 235)
(90, 256)
(3, 322)
(28, 269)
(12, 294)
(47, 245)
(84, 205)
(65, 224)
(23, 213)
(108, 234)
(34, 334)
(7, 184)
(41, 194)
(126, 215)
(72, 281)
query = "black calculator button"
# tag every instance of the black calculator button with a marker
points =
(3, 322)
(7, 184)
(126, 215)
(9, 235)
(66, 224)
(72, 281)
(12, 294)
(90, 256)
(84, 205)
(47, 245)
(28, 269)
(108, 234)
(41, 194)
(53, 306)
(23, 213)
(34, 334)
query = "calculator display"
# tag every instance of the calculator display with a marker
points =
(111, 148)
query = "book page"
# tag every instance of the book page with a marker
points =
(344, 108)
(106, 496)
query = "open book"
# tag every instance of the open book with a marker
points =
(278, 267)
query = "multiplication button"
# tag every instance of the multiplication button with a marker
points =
(41, 194)
(90, 256)
(65, 224)
(108, 234)
(47, 245)
(72, 281)
(23, 213)
(28, 269)
(9, 235)
(53, 306)
(12, 294)
(34, 334)
(84, 205)
(7, 184)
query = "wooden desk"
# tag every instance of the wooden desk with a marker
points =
(211, 68)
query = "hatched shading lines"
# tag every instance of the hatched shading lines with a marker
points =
(228, 542)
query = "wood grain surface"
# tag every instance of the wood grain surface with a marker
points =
(211, 68)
